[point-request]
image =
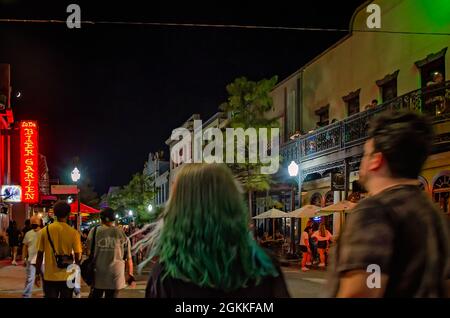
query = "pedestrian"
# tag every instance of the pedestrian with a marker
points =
(14, 240)
(323, 238)
(395, 240)
(204, 244)
(29, 254)
(112, 255)
(305, 248)
(27, 227)
(61, 246)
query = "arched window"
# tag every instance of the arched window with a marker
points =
(441, 190)
(329, 198)
(423, 184)
(316, 199)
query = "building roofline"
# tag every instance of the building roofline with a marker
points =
(314, 59)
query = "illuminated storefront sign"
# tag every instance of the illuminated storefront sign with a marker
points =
(11, 193)
(29, 164)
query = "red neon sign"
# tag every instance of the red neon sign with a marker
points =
(29, 161)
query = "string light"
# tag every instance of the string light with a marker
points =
(229, 26)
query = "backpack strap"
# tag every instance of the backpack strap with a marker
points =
(93, 241)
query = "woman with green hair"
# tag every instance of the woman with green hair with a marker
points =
(203, 242)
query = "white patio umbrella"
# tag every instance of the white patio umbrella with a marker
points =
(271, 214)
(342, 206)
(307, 211)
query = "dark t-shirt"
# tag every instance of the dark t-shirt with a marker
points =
(270, 287)
(400, 230)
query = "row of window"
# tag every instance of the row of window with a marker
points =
(432, 70)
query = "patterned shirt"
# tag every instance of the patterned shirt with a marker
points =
(402, 232)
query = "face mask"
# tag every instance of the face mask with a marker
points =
(34, 226)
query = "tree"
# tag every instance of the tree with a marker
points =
(135, 196)
(247, 103)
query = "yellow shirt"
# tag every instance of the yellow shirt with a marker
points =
(65, 240)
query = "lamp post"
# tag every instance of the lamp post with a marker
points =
(75, 177)
(293, 170)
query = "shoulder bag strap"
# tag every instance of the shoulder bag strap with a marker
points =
(50, 240)
(93, 241)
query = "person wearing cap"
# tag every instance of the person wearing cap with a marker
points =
(112, 254)
(29, 253)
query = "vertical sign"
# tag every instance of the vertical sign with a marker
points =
(29, 161)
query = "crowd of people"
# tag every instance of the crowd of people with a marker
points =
(203, 245)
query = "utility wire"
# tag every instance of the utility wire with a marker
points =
(229, 26)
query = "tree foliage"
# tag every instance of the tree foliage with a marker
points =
(135, 196)
(247, 103)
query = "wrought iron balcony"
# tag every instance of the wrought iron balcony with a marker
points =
(352, 131)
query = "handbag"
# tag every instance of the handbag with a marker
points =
(62, 261)
(88, 265)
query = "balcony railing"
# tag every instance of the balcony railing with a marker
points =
(433, 101)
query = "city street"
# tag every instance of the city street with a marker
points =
(300, 285)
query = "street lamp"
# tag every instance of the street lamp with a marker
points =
(130, 213)
(76, 175)
(69, 200)
(293, 172)
(293, 169)
(150, 208)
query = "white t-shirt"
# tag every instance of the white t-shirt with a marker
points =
(31, 240)
(327, 236)
(305, 236)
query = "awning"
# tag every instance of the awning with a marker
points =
(83, 208)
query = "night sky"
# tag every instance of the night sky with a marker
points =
(112, 94)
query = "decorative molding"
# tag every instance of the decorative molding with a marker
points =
(351, 95)
(387, 78)
(430, 58)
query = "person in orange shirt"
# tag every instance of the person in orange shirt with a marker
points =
(61, 246)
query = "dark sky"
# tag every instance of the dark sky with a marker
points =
(112, 94)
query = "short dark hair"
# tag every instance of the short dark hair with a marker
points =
(375, 101)
(404, 139)
(61, 209)
(107, 215)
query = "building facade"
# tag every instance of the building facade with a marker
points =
(324, 107)
(157, 170)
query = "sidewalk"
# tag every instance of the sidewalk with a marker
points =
(12, 280)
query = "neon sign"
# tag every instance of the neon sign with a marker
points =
(29, 164)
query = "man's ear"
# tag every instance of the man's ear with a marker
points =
(376, 161)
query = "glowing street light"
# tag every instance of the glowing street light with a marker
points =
(69, 200)
(117, 216)
(75, 175)
(293, 169)
(130, 213)
(150, 208)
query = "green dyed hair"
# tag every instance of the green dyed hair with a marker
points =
(205, 236)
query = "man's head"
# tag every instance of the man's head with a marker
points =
(61, 209)
(107, 215)
(35, 222)
(374, 103)
(308, 229)
(438, 77)
(398, 145)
